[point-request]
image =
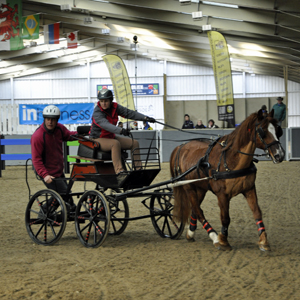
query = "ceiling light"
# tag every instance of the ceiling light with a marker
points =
(220, 4)
(145, 53)
(134, 46)
(206, 27)
(105, 31)
(88, 20)
(66, 7)
(184, 2)
(33, 44)
(154, 58)
(120, 39)
(197, 15)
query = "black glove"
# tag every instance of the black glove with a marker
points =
(125, 132)
(151, 120)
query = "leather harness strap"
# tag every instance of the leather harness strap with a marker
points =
(234, 173)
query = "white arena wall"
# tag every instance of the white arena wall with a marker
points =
(184, 83)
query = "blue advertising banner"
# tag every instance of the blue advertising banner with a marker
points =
(142, 89)
(77, 113)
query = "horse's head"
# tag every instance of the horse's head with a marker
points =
(267, 133)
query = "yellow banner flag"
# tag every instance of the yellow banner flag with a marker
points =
(223, 79)
(120, 81)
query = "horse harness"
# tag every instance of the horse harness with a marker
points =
(204, 165)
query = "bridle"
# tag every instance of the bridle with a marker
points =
(261, 135)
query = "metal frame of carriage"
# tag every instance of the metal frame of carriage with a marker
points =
(104, 210)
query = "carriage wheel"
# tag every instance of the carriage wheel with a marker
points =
(92, 219)
(46, 217)
(118, 210)
(161, 207)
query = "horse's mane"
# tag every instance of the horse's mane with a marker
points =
(242, 135)
(245, 132)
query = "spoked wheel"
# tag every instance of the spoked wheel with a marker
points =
(119, 211)
(161, 207)
(92, 219)
(46, 217)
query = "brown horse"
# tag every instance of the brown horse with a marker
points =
(227, 163)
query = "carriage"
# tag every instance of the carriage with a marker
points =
(104, 210)
(223, 166)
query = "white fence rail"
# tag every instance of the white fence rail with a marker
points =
(9, 121)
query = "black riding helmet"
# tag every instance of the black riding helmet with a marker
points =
(105, 94)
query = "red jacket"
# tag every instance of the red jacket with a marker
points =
(46, 150)
(112, 119)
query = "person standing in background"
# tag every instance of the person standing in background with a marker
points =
(279, 111)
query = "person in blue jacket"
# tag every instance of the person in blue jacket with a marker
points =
(279, 110)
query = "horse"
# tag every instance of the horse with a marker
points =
(225, 167)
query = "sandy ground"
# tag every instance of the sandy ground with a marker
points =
(139, 264)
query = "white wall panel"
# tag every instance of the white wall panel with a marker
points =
(32, 89)
(5, 92)
(184, 82)
(182, 69)
(69, 88)
(264, 86)
(98, 70)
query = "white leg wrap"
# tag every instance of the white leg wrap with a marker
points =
(214, 237)
(190, 233)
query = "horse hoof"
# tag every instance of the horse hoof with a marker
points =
(223, 247)
(264, 247)
(190, 239)
(223, 243)
(263, 242)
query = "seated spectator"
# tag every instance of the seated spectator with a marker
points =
(147, 126)
(120, 124)
(211, 124)
(188, 124)
(199, 124)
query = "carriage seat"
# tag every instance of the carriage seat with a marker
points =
(90, 149)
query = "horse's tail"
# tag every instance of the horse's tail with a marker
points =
(182, 205)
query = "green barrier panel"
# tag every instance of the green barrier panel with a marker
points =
(73, 143)
(70, 159)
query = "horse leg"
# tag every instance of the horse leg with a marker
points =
(200, 216)
(223, 244)
(251, 197)
(196, 197)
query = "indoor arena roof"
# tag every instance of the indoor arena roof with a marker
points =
(263, 36)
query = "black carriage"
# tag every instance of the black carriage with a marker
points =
(104, 210)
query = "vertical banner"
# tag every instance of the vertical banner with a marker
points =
(10, 25)
(223, 79)
(120, 81)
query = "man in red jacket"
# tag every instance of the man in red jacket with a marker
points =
(47, 153)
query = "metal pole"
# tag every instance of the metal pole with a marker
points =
(135, 79)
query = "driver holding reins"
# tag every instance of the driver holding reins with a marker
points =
(107, 134)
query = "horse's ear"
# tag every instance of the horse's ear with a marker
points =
(271, 114)
(260, 115)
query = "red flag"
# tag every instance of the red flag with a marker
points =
(72, 39)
